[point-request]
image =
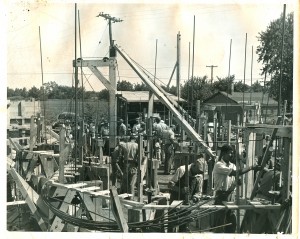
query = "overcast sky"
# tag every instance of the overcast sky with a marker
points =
(143, 24)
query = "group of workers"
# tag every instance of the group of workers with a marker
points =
(125, 166)
(125, 155)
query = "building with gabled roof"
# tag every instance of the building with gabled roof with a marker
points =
(257, 106)
(134, 104)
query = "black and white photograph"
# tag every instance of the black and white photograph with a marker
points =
(152, 117)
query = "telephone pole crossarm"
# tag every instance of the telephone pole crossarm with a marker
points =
(108, 17)
(212, 72)
(110, 20)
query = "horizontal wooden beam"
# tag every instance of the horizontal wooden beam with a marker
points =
(206, 206)
(32, 199)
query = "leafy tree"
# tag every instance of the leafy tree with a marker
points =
(196, 88)
(103, 94)
(35, 93)
(171, 90)
(257, 87)
(141, 87)
(10, 92)
(269, 54)
(124, 85)
(241, 87)
(224, 84)
(50, 88)
(21, 92)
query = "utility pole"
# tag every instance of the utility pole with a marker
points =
(110, 20)
(178, 66)
(112, 83)
(211, 72)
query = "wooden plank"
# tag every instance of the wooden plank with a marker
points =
(31, 166)
(94, 207)
(57, 224)
(167, 207)
(15, 145)
(15, 203)
(265, 159)
(92, 188)
(64, 151)
(47, 165)
(286, 167)
(33, 133)
(32, 199)
(117, 210)
(103, 192)
(250, 141)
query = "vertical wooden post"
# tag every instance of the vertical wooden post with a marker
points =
(112, 103)
(38, 128)
(155, 179)
(251, 136)
(286, 164)
(150, 149)
(223, 127)
(198, 122)
(33, 133)
(215, 131)
(62, 135)
(229, 132)
(205, 127)
(42, 129)
(186, 199)
(100, 143)
(139, 179)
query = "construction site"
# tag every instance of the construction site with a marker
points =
(70, 179)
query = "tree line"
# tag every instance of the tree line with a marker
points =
(197, 88)
(276, 59)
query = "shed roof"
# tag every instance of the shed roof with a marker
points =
(222, 97)
(256, 97)
(142, 96)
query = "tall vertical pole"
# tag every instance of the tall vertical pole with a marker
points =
(82, 140)
(189, 61)
(110, 33)
(188, 89)
(155, 60)
(229, 63)
(76, 89)
(193, 61)
(244, 81)
(281, 60)
(178, 66)
(82, 96)
(251, 74)
(44, 98)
